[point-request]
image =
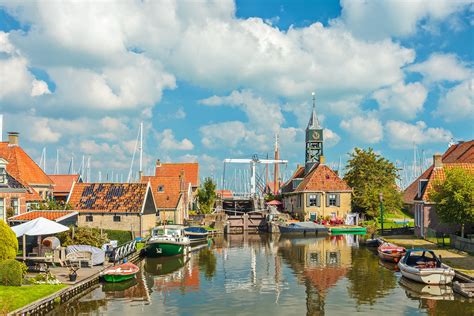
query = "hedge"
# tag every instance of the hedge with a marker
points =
(8, 242)
(122, 236)
(12, 272)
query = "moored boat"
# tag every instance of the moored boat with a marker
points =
(302, 228)
(337, 230)
(119, 273)
(390, 252)
(422, 265)
(168, 241)
(196, 234)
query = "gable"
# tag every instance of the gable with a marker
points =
(150, 207)
(22, 167)
(190, 170)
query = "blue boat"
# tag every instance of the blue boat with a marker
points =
(196, 234)
(303, 228)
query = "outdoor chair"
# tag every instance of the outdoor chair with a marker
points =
(80, 257)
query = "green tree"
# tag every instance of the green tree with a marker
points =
(8, 242)
(206, 196)
(454, 197)
(370, 174)
(51, 205)
(83, 236)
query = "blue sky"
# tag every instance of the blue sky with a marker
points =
(213, 80)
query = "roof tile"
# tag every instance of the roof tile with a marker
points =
(166, 191)
(191, 171)
(322, 178)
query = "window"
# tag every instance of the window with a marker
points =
(89, 218)
(3, 176)
(117, 218)
(421, 186)
(14, 205)
(2, 209)
(332, 199)
(313, 200)
(161, 188)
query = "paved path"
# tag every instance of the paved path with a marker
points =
(459, 260)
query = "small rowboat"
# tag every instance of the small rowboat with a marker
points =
(422, 265)
(120, 272)
(390, 252)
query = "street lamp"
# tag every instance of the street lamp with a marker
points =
(381, 209)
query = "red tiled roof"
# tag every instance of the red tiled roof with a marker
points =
(410, 193)
(460, 152)
(191, 171)
(51, 215)
(438, 174)
(166, 191)
(108, 197)
(63, 182)
(461, 155)
(287, 186)
(322, 178)
(21, 166)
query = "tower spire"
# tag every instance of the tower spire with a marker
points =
(313, 120)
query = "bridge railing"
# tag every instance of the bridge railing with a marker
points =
(124, 250)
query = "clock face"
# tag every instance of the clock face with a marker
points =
(314, 135)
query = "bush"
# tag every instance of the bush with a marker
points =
(12, 272)
(82, 236)
(8, 242)
(122, 236)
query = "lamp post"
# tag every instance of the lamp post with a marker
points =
(381, 209)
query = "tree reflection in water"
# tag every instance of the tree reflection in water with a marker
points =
(207, 262)
(368, 280)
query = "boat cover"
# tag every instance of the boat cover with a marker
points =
(98, 255)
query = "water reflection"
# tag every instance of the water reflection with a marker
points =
(269, 275)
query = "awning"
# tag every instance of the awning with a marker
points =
(274, 202)
(38, 227)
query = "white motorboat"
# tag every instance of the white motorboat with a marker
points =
(422, 265)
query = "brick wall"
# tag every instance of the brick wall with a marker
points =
(7, 196)
(128, 222)
(292, 204)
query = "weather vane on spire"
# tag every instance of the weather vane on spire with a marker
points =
(314, 99)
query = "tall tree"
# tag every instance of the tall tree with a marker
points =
(206, 196)
(370, 174)
(454, 197)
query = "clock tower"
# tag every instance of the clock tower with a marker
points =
(314, 140)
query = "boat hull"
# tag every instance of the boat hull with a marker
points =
(304, 231)
(113, 278)
(167, 249)
(196, 235)
(427, 275)
(348, 230)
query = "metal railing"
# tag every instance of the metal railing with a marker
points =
(124, 250)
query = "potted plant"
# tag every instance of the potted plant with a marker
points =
(73, 273)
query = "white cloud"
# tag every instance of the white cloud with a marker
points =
(373, 19)
(225, 133)
(403, 135)
(168, 141)
(366, 129)
(402, 100)
(439, 67)
(180, 114)
(458, 103)
(330, 138)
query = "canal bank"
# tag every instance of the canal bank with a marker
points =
(269, 275)
(459, 260)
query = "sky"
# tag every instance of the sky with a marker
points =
(219, 79)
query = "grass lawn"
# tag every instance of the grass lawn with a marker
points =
(13, 297)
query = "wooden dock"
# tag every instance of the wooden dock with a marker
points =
(465, 289)
(47, 304)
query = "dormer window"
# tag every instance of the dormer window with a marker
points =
(3, 176)
(421, 186)
(161, 188)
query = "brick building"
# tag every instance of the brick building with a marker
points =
(315, 190)
(12, 194)
(416, 195)
(25, 171)
(63, 185)
(118, 206)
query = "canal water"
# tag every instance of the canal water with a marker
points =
(270, 275)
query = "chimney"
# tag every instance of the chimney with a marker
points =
(322, 160)
(437, 161)
(157, 165)
(13, 138)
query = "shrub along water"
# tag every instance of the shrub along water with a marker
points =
(12, 272)
(122, 236)
(8, 242)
